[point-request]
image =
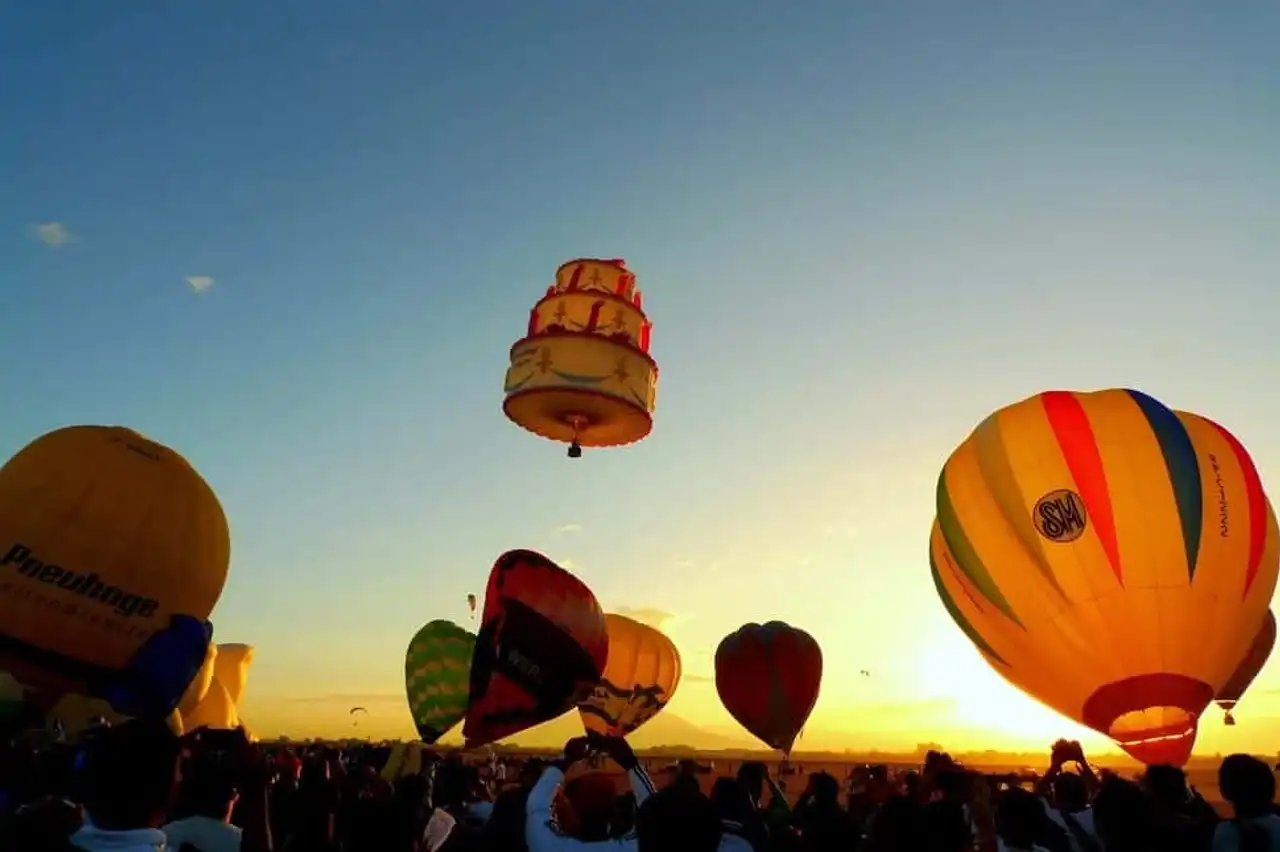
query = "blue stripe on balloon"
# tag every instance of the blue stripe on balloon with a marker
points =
(1184, 471)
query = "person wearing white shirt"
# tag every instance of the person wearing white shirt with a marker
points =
(1247, 783)
(541, 833)
(212, 795)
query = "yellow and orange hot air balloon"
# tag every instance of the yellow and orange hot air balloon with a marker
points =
(1248, 669)
(1110, 557)
(219, 707)
(582, 374)
(104, 535)
(640, 676)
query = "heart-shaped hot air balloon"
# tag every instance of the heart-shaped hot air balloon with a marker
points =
(768, 677)
(437, 669)
(542, 646)
(1250, 667)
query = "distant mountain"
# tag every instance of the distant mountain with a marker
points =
(665, 729)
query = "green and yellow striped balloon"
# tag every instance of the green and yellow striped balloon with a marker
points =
(437, 677)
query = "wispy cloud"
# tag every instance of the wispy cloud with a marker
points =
(646, 615)
(199, 283)
(54, 234)
(568, 529)
(693, 678)
(844, 526)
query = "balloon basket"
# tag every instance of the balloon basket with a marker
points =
(1229, 720)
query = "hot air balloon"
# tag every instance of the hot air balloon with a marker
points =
(542, 647)
(437, 670)
(219, 708)
(109, 542)
(582, 374)
(471, 605)
(1110, 557)
(1248, 669)
(768, 677)
(640, 677)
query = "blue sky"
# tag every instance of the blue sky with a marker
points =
(859, 228)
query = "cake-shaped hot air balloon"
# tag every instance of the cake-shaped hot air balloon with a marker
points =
(582, 374)
(1110, 557)
(542, 647)
(640, 677)
(1248, 669)
(768, 677)
(437, 680)
(113, 552)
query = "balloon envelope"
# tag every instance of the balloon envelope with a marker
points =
(437, 669)
(1250, 667)
(104, 535)
(542, 647)
(768, 677)
(219, 708)
(1110, 557)
(640, 677)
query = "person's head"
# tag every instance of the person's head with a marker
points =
(209, 789)
(505, 829)
(531, 771)
(945, 827)
(1070, 793)
(752, 775)
(897, 826)
(687, 783)
(45, 824)
(130, 775)
(675, 820)
(825, 789)
(1247, 783)
(1123, 815)
(451, 785)
(1019, 818)
(730, 800)
(1167, 786)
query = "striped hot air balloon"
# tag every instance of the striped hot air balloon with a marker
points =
(1108, 556)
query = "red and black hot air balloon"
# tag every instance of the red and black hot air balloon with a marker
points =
(541, 648)
(768, 677)
(1250, 667)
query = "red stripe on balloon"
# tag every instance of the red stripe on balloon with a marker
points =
(1257, 505)
(1079, 446)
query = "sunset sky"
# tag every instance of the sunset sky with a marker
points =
(294, 241)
